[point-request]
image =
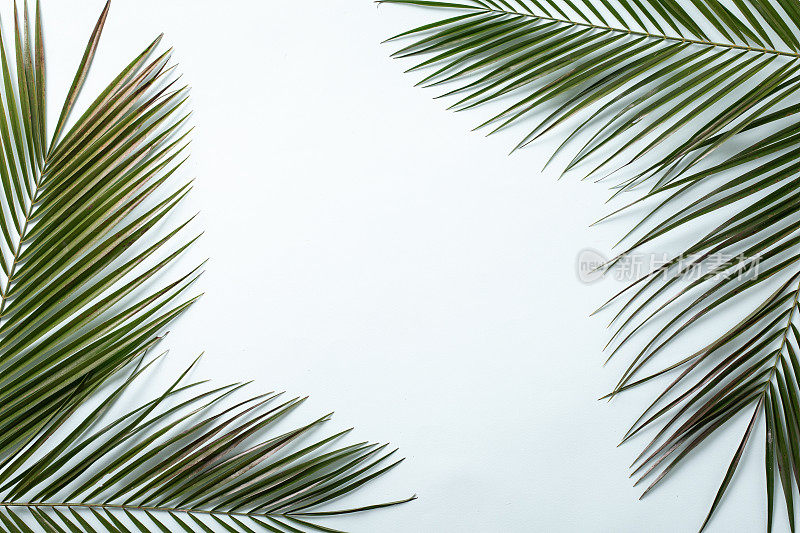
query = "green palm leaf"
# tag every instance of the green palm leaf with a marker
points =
(86, 239)
(692, 108)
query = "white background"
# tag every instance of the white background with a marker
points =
(368, 250)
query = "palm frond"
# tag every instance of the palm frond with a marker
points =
(493, 53)
(185, 458)
(644, 94)
(86, 236)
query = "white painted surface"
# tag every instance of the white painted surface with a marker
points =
(368, 250)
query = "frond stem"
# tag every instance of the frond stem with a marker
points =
(732, 46)
(15, 257)
(785, 337)
(118, 507)
(37, 184)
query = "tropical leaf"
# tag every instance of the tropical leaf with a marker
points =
(185, 460)
(692, 109)
(86, 236)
